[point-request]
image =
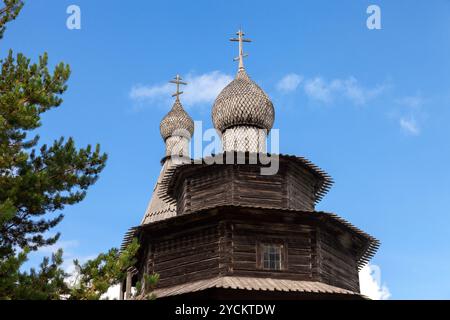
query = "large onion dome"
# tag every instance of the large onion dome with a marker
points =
(242, 103)
(176, 123)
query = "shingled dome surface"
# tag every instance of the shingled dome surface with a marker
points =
(177, 122)
(242, 102)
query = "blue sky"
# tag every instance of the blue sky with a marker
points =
(368, 106)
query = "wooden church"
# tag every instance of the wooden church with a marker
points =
(221, 228)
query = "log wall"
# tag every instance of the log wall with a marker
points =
(337, 260)
(293, 187)
(230, 246)
(183, 256)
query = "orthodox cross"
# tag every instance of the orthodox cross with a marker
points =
(241, 56)
(177, 81)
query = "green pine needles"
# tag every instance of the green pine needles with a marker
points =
(38, 180)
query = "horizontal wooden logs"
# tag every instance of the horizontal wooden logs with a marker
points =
(292, 187)
(228, 245)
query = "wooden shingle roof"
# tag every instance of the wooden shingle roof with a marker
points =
(251, 283)
(328, 217)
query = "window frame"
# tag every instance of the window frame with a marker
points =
(260, 254)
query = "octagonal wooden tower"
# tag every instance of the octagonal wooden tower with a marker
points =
(237, 234)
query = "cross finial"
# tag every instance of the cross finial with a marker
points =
(241, 56)
(177, 81)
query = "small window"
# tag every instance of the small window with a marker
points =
(271, 256)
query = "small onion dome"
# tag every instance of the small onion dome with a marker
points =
(242, 102)
(176, 123)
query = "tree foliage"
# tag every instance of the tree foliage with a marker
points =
(10, 272)
(9, 12)
(144, 289)
(36, 180)
(95, 276)
(89, 281)
(44, 284)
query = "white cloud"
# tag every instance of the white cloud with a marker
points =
(410, 113)
(327, 91)
(141, 92)
(201, 89)
(66, 245)
(321, 90)
(411, 101)
(370, 283)
(409, 125)
(113, 293)
(317, 89)
(358, 94)
(289, 82)
(71, 270)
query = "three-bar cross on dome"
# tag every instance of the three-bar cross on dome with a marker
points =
(177, 126)
(176, 129)
(242, 112)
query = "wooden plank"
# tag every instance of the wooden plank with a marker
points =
(196, 266)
